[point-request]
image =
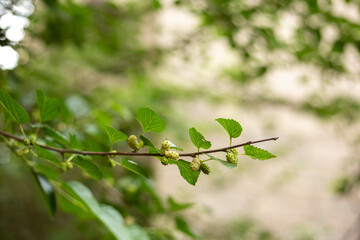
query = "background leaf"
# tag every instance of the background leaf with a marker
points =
(198, 139)
(74, 143)
(13, 108)
(223, 162)
(45, 154)
(49, 107)
(232, 127)
(149, 120)
(115, 135)
(55, 135)
(257, 153)
(109, 216)
(175, 206)
(134, 167)
(185, 171)
(89, 167)
(183, 226)
(47, 192)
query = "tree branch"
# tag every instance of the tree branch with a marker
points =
(192, 154)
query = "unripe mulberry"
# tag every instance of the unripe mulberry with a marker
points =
(22, 152)
(69, 165)
(234, 151)
(172, 154)
(231, 157)
(165, 146)
(195, 164)
(133, 143)
(112, 162)
(205, 168)
(32, 138)
(27, 141)
(164, 161)
(63, 166)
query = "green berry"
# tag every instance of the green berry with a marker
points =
(172, 154)
(234, 151)
(112, 162)
(113, 151)
(165, 146)
(164, 161)
(27, 142)
(63, 166)
(13, 143)
(32, 138)
(231, 157)
(195, 164)
(133, 143)
(205, 168)
(22, 152)
(69, 165)
(141, 144)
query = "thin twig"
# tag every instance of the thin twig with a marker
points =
(193, 154)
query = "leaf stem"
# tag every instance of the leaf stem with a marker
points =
(22, 131)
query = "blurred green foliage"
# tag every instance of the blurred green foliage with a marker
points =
(95, 58)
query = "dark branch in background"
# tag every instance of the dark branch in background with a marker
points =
(193, 154)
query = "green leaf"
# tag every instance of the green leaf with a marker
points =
(223, 162)
(232, 127)
(198, 139)
(149, 144)
(137, 233)
(115, 135)
(49, 107)
(55, 135)
(257, 153)
(109, 216)
(183, 226)
(173, 146)
(45, 154)
(149, 120)
(13, 108)
(134, 167)
(74, 143)
(185, 171)
(175, 206)
(89, 167)
(47, 192)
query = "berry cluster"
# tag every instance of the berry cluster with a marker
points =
(198, 165)
(231, 156)
(166, 150)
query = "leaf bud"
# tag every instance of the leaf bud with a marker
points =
(205, 168)
(172, 154)
(133, 143)
(195, 164)
(165, 146)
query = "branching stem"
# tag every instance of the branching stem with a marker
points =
(192, 154)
